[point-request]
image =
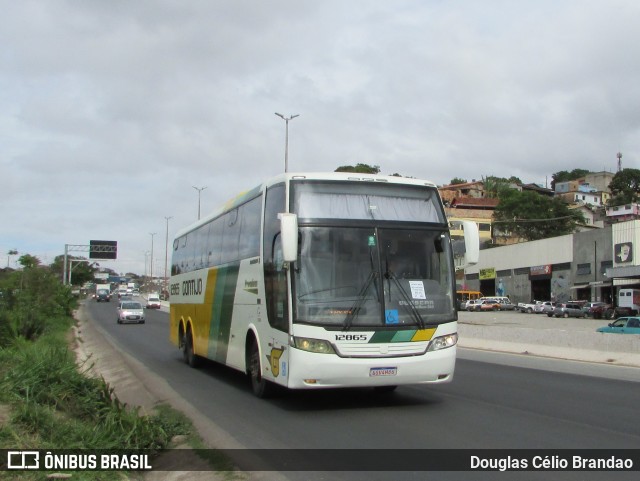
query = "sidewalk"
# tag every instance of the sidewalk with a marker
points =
(539, 335)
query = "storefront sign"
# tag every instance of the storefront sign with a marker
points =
(488, 273)
(624, 252)
(540, 270)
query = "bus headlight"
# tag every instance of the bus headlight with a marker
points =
(313, 345)
(443, 342)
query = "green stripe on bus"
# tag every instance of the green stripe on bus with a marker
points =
(222, 312)
(383, 336)
(408, 335)
(404, 336)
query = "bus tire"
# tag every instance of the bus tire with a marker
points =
(189, 356)
(259, 385)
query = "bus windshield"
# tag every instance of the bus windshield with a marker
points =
(367, 201)
(373, 276)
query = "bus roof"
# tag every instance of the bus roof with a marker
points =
(286, 177)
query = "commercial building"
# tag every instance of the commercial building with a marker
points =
(586, 266)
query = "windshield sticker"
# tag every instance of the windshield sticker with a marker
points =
(417, 289)
(391, 316)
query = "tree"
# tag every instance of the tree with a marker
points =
(82, 271)
(625, 187)
(360, 168)
(494, 186)
(457, 180)
(28, 261)
(532, 216)
(31, 298)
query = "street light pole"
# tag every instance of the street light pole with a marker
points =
(286, 139)
(199, 189)
(166, 251)
(152, 234)
(146, 260)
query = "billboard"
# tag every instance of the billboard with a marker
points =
(101, 249)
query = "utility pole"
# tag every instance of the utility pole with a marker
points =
(152, 234)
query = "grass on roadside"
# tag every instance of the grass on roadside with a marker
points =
(48, 402)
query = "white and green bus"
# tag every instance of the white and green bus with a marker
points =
(313, 281)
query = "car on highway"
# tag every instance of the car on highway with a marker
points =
(153, 301)
(130, 311)
(569, 309)
(622, 325)
(103, 295)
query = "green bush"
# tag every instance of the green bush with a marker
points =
(53, 402)
(31, 299)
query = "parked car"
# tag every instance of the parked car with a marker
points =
(130, 311)
(505, 304)
(472, 305)
(544, 307)
(527, 307)
(489, 305)
(623, 325)
(595, 309)
(570, 309)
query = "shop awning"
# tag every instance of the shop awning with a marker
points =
(580, 286)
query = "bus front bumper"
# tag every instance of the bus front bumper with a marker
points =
(309, 370)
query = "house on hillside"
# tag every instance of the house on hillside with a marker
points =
(478, 210)
(623, 213)
(473, 189)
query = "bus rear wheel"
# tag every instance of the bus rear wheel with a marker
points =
(189, 356)
(259, 385)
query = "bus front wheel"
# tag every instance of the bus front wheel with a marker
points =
(260, 386)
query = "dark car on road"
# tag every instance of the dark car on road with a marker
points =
(103, 295)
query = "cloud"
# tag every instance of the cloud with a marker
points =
(110, 112)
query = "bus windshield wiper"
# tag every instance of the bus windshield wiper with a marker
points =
(389, 275)
(355, 309)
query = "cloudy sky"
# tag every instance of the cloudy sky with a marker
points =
(112, 111)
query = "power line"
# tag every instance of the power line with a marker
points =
(533, 220)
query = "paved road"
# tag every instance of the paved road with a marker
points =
(489, 405)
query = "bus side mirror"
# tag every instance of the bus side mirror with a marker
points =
(471, 243)
(289, 236)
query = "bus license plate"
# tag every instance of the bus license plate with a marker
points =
(383, 371)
